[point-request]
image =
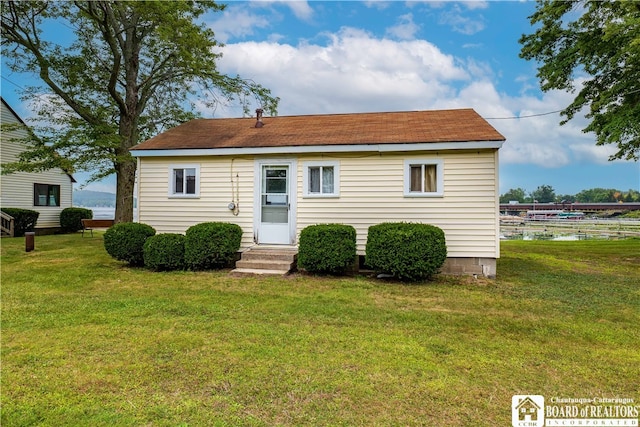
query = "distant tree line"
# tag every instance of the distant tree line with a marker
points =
(94, 199)
(546, 194)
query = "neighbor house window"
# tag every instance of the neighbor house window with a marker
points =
(46, 195)
(184, 181)
(321, 179)
(423, 178)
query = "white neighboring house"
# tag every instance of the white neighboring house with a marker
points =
(275, 177)
(47, 192)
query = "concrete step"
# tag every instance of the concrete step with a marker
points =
(260, 271)
(265, 264)
(267, 260)
(275, 255)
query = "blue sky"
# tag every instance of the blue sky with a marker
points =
(345, 57)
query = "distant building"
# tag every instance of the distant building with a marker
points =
(47, 192)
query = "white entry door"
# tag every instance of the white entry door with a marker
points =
(275, 202)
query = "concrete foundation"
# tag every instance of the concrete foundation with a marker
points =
(482, 267)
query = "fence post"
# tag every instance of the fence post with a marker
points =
(29, 241)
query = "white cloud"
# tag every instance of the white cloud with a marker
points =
(237, 22)
(469, 4)
(300, 8)
(405, 29)
(461, 23)
(377, 4)
(476, 4)
(357, 72)
(354, 71)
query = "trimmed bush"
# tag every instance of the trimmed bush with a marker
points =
(409, 251)
(164, 252)
(125, 241)
(70, 218)
(211, 245)
(327, 248)
(24, 220)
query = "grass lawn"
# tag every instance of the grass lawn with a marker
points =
(89, 341)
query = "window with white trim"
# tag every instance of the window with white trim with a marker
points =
(423, 178)
(184, 181)
(321, 179)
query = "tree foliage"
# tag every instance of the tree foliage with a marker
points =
(515, 194)
(607, 195)
(594, 195)
(600, 42)
(544, 194)
(131, 70)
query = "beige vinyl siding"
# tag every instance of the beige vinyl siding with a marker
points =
(176, 215)
(371, 191)
(17, 188)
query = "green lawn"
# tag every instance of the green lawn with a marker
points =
(89, 341)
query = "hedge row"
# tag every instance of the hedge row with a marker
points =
(204, 246)
(24, 220)
(407, 251)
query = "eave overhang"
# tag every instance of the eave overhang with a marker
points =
(313, 149)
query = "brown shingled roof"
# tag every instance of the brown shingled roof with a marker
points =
(331, 129)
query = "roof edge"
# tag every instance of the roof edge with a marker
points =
(380, 148)
(12, 111)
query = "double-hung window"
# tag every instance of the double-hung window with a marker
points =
(321, 179)
(184, 181)
(423, 178)
(46, 195)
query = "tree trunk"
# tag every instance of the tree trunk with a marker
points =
(125, 166)
(126, 175)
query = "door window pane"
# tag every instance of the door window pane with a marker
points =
(275, 195)
(275, 180)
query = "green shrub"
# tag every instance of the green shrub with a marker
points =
(409, 251)
(211, 245)
(327, 248)
(70, 218)
(164, 252)
(24, 220)
(125, 241)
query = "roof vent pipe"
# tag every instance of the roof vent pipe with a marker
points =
(259, 123)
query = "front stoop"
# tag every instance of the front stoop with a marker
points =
(276, 260)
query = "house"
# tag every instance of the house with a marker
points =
(47, 192)
(527, 410)
(278, 175)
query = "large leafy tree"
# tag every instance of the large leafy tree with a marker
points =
(600, 42)
(544, 194)
(130, 70)
(514, 195)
